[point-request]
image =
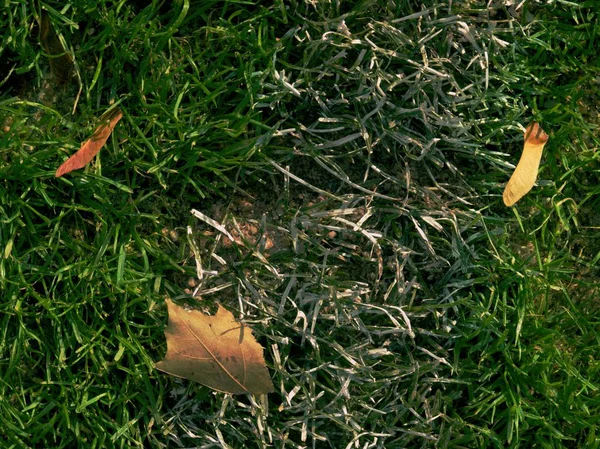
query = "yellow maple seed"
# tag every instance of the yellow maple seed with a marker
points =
(524, 176)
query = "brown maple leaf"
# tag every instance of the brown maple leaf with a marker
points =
(216, 351)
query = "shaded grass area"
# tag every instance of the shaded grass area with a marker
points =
(358, 153)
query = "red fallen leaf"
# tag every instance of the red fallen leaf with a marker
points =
(90, 147)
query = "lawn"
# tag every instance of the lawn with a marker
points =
(357, 152)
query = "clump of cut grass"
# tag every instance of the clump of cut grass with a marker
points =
(372, 262)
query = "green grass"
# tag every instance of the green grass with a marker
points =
(359, 152)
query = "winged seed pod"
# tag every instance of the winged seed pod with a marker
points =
(524, 176)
